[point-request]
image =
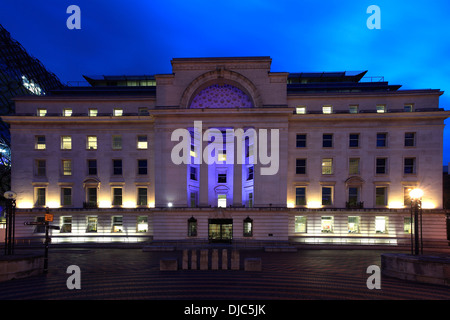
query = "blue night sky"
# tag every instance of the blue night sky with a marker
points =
(412, 48)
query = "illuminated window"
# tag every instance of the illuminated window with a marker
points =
(66, 143)
(93, 112)
(118, 112)
(381, 108)
(222, 200)
(67, 112)
(327, 224)
(248, 227)
(117, 167)
(66, 196)
(301, 141)
(222, 155)
(142, 224)
(142, 166)
(353, 225)
(117, 224)
(353, 108)
(142, 142)
(67, 167)
(380, 224)
(92, 142)
(41, 170)
(39, 194)
(300, 224)
(353, 141)
(193, 153)
(409, 166)
(42, 112)
(66, 225)
(327, 109)
(300, 196)
(407, 196)
(407, 225)
(353, 166)
(381, 196)
(117, 142)
(327, 140)
(410, 139)
(300, 110)
(327, 196)
(117, 196)
(327, 166)
(40, 143)
(141, 196)
(91, 224)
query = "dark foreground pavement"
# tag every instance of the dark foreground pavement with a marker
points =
(110, 273)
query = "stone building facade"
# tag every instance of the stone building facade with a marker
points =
(224, 149)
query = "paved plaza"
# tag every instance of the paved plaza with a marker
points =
(134, 274)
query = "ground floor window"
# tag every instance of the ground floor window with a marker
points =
(192, 227)
(117, 224)
(327, 224)
(66, 225)
(91, 225)
(248, 227)
(39, 228)
(353, 224)
(381, 224)
(300, 224)
(407, 225)
(142, 224)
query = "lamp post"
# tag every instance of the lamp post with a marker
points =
(416, 210)
(10, 197)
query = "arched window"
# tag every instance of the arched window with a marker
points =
(192, 227)
(248, 227)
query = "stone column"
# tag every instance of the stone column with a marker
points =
(194, 260)
(224, 259)
(215, 259)
(235, 260)
(204, 259)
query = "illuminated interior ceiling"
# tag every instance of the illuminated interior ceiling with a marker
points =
(221, 96)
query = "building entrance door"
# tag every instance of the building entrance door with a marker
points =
(220, 230)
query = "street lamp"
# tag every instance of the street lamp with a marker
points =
(416, 209)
